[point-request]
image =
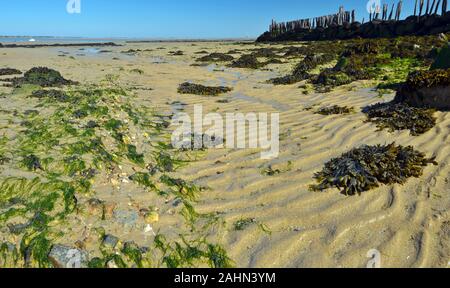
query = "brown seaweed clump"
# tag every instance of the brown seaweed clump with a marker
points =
(55, 95)
(401, 116)
(428, 79)
(9, 71)
(176, 53)
(249, 61)
(216, 57)
(41, 76)
(196, 89)
(426, 89)
(335, 110)
(365, 168)
(300, 72)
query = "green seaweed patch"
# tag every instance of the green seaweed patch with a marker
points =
(367, 167)
(335, 110)
(189, 253)
(197, 89)
(401, 116)
(36, 210)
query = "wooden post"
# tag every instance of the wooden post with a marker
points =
(444, 7)
(421, 7)
(415, 9)
(437, 7)
(432, 7)
(392, 12)
(399, 10)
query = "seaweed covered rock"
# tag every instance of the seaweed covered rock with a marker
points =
(196, 89)
(335, 110)
(41, 76)
(45, 77)
(400, 116)
(333, 78)
(216, 57)
(300, 71)
(362, 47)
(9, 71)
(426, 89)
(367, 167)
(247, 61)
(265, 52)
(443, 59)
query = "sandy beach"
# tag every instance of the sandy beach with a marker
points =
(286, 224)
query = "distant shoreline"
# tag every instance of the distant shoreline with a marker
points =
(109, 44)
(192, 40)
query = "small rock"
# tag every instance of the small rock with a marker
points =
(109, 209)
(152, 217)
(149, 216)
(114, 182)
(96, 207)
(126, 217)
(110, 241)
(112, 265)
(443, 37)
(67, 257)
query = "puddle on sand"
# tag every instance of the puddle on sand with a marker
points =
(275, 104)
(222, 69)
(177, 107)
(158, 60)
(256, 76)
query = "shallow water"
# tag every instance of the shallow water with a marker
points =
(275, 104)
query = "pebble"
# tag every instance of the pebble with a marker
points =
(110, 241)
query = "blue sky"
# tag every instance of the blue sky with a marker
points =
(163, 18)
